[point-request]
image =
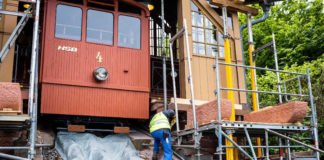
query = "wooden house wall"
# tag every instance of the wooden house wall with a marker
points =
(7, 25)
(204, 77)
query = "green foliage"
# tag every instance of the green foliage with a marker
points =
(268, 82)
(299, 29)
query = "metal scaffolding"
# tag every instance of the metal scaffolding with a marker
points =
(33, 90)
(15, 33)
(220, 127)
(184, 33)
(246, 130)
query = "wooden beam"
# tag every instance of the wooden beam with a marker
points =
(121, 130)
(212, 15)
(236, 7)
(76, 128)
(184, 12)
(102, 3)
(239, 1)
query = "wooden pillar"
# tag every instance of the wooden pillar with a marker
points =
(184, 12)
(239, 58)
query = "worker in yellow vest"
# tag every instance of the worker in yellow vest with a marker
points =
(160, 129)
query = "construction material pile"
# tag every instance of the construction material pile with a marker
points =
(290, 112)
(206, 112)
(10, 97)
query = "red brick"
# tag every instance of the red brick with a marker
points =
(290, 112)
(207, 112)
(10, 96)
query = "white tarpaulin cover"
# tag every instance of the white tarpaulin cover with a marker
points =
(86, 146)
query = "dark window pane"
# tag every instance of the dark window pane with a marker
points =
(129, 32)
(100, 27)
(68, 22)
(127, 8)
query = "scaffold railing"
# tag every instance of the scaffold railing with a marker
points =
(224, 129)
(33, 89)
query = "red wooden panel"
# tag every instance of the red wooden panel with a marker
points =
(64, 73)
(85, 101)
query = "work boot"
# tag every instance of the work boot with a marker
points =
(155, 156)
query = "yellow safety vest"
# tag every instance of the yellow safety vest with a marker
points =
(159, 121)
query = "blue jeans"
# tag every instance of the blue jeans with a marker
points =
(167, 144)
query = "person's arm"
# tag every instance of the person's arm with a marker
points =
(173, 121)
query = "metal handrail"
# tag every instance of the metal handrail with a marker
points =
(296, 141)
(268, 92)
(291, 79)
(260, 68)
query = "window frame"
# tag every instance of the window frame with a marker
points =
(86, 26)
(141, 29)
(205, 28)
(84, 17)
(70, 5)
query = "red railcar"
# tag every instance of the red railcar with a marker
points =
(95, 59)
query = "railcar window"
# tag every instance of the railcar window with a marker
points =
(100, 27)
(68, 22)
(129, 32)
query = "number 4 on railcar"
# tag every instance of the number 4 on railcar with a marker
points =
(95, 59)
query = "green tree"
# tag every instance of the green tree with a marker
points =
(299, 29)
(268, 81)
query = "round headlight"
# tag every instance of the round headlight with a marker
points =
(101, 74)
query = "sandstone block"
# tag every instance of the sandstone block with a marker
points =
(206, 112)
(10, 96)
(290, 112)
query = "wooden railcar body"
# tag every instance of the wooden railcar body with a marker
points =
(68, 85)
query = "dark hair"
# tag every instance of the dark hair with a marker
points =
(169, 113)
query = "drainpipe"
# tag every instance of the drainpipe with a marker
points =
(266, 9)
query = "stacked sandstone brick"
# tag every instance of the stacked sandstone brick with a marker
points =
(10, 97)
(206, 112)
(290, 112)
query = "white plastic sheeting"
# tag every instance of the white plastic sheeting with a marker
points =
(86, 146)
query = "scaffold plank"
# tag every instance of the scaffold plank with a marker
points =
(15, 118)
(249, 125)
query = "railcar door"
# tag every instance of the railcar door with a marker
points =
(95, 61)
